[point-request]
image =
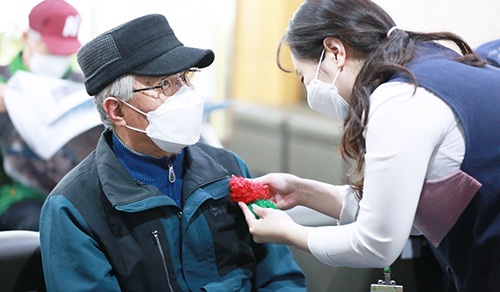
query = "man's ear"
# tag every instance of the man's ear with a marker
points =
(336, 47)
(113, 108)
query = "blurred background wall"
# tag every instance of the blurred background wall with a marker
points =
(244, 34)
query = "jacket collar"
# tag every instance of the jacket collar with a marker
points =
(127, 194)
(201, 169)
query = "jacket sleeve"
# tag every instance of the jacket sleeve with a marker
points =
(64, 235)
(276, 269)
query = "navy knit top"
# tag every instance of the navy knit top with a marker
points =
(165, 173)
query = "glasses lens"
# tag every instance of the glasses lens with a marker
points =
(172, 83)
(189, 74)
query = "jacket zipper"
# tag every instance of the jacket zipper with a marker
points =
(160, 249)
(171, 172)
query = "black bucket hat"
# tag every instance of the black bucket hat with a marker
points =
(144, 46)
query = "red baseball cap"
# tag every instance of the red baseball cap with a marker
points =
(58, 23)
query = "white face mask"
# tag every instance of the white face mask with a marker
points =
(176, 123)
(50, 65)
(325, 98)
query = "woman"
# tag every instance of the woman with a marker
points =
(421, 127)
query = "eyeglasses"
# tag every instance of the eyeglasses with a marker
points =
(170, 84)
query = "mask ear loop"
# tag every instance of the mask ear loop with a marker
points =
(133, 107)
(336, 76)
(137, 110)
(319, 64)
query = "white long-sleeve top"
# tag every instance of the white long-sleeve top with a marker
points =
(410, 138)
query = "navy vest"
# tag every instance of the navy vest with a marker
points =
(471, 248)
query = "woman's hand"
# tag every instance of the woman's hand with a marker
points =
(282, 189)
(288, 191)
(274, 226)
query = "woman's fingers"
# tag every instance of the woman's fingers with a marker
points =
(246, 211)
(252, 222)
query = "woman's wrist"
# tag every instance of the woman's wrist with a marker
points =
(297, 236)
(309, 192)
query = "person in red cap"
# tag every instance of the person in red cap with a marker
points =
(49, 44)
(57, 24)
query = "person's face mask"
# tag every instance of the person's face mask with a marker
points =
(325, 98)
(50, 65)
(176, 123)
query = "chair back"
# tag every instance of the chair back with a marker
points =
(20, 261)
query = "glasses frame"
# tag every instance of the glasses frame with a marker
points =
(162, 84)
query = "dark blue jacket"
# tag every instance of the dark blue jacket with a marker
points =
(471, 248)
(101, 230)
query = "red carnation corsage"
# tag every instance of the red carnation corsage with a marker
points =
(250, 193)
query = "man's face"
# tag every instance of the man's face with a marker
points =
(159, 89)
(146, 101)
(151, 92)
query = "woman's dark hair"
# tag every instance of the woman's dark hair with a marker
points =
(362, 27)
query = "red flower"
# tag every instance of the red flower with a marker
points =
(247, 191)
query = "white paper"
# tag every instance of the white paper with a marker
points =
(48, 112)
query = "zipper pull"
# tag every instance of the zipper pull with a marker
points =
(171, 173)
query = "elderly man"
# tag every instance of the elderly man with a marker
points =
(149, 210)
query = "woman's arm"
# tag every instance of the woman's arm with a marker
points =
(402, 136)
(288, 191)
(403, 133)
